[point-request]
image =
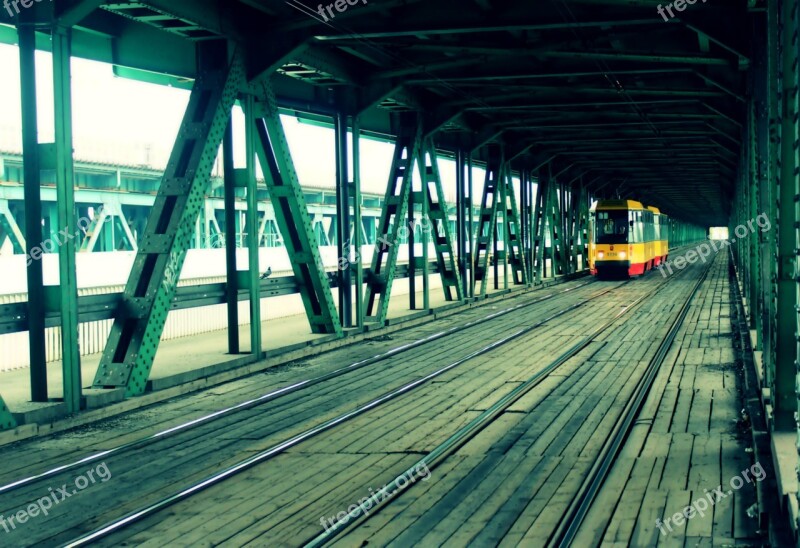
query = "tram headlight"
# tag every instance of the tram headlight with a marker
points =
(622, 255)
(600, 254)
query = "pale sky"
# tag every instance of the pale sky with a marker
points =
(117, 120)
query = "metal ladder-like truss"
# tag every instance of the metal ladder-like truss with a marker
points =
(547, 223)
(437, 213)
(395, 204)
(556, 221)
(293, 219)
(538, 232)
(132, 344)
(487, 223)
(513, 241)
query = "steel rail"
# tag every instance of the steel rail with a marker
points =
(571, 521)
(267, 454)
(466, 433)
(275, 394)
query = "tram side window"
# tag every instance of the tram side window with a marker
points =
(657, 227)
(612, 227)
(636, 227)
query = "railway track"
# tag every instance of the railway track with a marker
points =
(287, 444)
(568, 527)
(233, 469)
(278, 393)
(29, 482)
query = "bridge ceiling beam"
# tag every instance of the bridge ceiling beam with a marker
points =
(484, 71)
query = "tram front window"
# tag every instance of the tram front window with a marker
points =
(612, 227)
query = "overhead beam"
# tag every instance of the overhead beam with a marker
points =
(510, 26)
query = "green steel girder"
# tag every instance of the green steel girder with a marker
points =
(254, 229)
(135, 335)
(785, 398)
(583, 226)
(472, 61)
(766, 64)
(509, 22)
(487, 220)
(513, 231)
(393, 215)
(538, 225)
(438, 216)
(553, 227)
(33, 213)
(67, 220)
(753, 292)
(291, 214)
(70, 13)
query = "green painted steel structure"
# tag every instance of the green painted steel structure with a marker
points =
(436, 209)
(294, 222)
(132, 344)
(512, 239)
(487, 221)
(395, 205)
(697, 116)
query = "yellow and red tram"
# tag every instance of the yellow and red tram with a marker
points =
(626, 238)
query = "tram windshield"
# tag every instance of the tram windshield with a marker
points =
(611, 227)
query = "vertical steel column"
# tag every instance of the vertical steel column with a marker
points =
(33, 212)
(253, 235)
(425, 199)
(586, 212)
(505, 189)
(530, 211)
(753, 242)
(67, 223)
(471, 228)
(564, 211)
(534, 213)
(764, 241)
(411, 240)
(786, 375)
(523, 218)
(539, 227)
(461, 228)
(343, 244)
(769, 130)
(232, 285)
(358, 243)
